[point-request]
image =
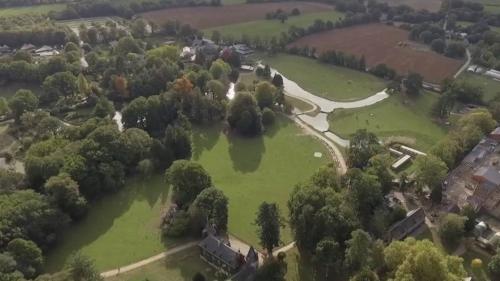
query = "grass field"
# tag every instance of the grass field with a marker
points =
(266, 29)
(120, 229)
(123, 227)
(8, 90)
(179, 267)
(332, 82)
(491, 87)
(492, 6)
(467, 23)
(38, 9)
(392, 117)
(251, 171)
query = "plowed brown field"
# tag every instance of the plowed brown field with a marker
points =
(206, 17)
(381, 43)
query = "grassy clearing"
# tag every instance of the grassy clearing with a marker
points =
(120, 229)
(475, 253)
(266, 29)
(9, 89)
(251, 171)
(123, 227)
(179, 267)
(38, 9)
(332, 82)
(395, 116)
(491, 87)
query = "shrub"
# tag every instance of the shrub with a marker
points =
(268, 117)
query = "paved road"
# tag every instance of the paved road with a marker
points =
(466, 64)
(149, 260)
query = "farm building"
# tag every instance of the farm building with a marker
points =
(414, 219)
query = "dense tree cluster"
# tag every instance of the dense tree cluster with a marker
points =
(33, 29)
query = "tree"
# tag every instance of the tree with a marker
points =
(268, 117)
(358, 252)
(438, 45)
(199, 277)
(379, 166)
(452, 229)
(187, 179)
(328, 257)
(363, 145)
(455, 50)
(21, 102)
(103, 108)
(82, 268)
(27, 255)
(244, 116)
(278, 80)
(83, 85)
(413, 83)
(183, 85)
(365, 275)
(430, 171)
(65, 192)
(494, 265)
(61, 84)
(136, 145)
(212, 203)
(268, 223)
(178, 140)
(127, 45)
(422, 260)
(365, 193)
(471, 216)
(274, 269)
(145, 167)
(219, 69)
(264, 94)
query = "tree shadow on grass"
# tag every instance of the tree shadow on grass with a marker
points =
(245, 152)
(102, 216)
(204, 138)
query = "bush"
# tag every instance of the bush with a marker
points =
(268, 117)
(179, 226)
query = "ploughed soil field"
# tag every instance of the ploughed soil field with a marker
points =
(381, 43)
(430, 5)
(206, 17)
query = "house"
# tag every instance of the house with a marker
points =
(44, 49)
(401, 162)
(5, 49)
(205, 46)
(28, 47)
(242, 49)
(219, 254)
(398, 231)
(495, 134)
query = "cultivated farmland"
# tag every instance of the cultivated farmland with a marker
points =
(206, 17)
(384, 44)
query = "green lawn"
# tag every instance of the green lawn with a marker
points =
(38, 9)
(120, 229)
(467, 23)
(475, 253)
(491, 87)
(251, 171)
(178, 267)
(332, 82)
(492, 6)
(266, 29)
(9, 89)
(298, 269)
(392, 117)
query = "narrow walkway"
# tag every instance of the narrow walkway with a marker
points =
(117, 271)
(466, 64)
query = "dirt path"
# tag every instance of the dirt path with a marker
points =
(117, 271)
(466, 64)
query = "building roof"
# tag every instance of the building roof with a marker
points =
(26, 47)
(401, 228)
(496, 131)
(44, 49)
(219, 249)
(490, 175)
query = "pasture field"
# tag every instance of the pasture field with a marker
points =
(9, 89)
(396, 116)
(248, 170)
(205, 17)
(430, 5)
(37, 9)
(331, 82)
(491, 87)
(492, 6)
(181, 266)
(253, 170)
(120, 229)
(266, 29)
(381, 43)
